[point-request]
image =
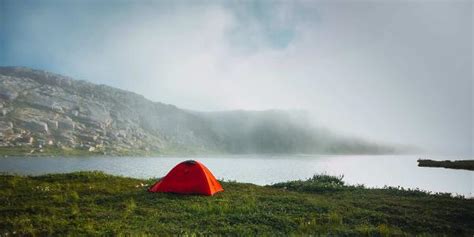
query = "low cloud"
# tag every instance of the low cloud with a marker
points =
(395, 71)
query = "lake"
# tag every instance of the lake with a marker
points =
(370, 170)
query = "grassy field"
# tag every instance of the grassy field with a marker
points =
(94, 203)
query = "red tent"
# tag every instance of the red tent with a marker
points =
(188, 177)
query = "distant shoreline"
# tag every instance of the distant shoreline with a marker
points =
(54, 151)
(457, 164)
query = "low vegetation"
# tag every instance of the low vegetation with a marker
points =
(94, 203)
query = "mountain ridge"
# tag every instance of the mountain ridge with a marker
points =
(41, 110)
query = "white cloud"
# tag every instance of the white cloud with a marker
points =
(393, 71)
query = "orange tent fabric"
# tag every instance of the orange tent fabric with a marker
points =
(188, 177)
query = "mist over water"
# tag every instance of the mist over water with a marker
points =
(396, 72)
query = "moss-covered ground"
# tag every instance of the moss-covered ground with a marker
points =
(94, 203)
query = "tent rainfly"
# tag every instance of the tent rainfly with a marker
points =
(188, 177)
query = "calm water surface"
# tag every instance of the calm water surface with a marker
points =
(372, 171)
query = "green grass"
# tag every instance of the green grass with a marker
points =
(94, 203)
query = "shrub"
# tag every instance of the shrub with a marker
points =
(316, 184)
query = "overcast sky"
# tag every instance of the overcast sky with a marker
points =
(391, 71)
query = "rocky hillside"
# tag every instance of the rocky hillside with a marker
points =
(41, 110)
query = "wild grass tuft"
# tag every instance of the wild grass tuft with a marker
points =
(317, 184)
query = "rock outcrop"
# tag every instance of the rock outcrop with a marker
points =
(39, 109)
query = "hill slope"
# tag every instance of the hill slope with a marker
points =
(41, 110)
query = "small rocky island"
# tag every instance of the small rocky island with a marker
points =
(457, 164)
